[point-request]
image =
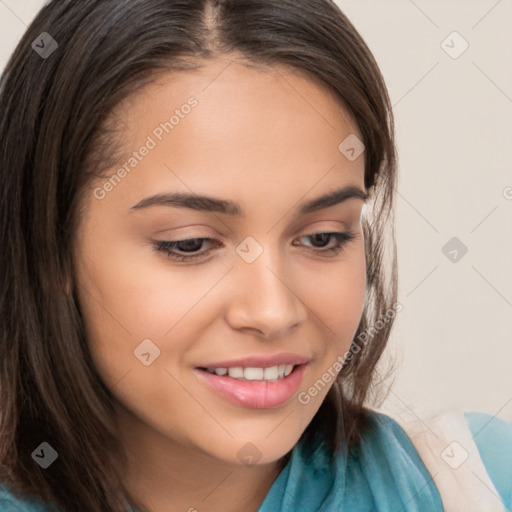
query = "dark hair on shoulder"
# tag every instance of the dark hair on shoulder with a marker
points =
(57, 132)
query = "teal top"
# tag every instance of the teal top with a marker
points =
(386, 473)
(383, 474)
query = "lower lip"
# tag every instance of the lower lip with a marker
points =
(256, 393)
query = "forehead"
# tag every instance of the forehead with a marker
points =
(249, 127)
(239, 102)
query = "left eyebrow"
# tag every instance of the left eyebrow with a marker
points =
(228, 207)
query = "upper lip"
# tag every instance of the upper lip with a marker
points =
(259, 361)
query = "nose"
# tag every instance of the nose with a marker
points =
(264, 299)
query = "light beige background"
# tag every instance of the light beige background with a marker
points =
(453, 338)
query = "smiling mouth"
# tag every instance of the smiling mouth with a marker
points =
(262, 390)
(248, 374)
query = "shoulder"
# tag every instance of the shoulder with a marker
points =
(453, 443)
(11, 503)
(493, 438)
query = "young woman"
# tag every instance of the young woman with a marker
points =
(198, 271)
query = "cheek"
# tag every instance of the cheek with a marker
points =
(139, 292)
(129, 295)
(337, 294)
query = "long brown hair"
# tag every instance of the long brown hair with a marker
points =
(56, 133)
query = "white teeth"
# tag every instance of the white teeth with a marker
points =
(253, 373)
(236, 372)
(288, 369)
(271, 374)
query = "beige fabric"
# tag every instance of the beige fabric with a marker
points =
(446, 447)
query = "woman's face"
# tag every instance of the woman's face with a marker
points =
(259, 283)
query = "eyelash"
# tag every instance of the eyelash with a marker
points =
(342, 239)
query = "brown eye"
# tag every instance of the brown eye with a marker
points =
(322, 239)
(178, 249)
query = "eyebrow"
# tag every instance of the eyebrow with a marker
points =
(228, 207)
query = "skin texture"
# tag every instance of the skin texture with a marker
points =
(269, 141)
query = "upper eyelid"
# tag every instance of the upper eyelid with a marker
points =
(305, 231)
(304, 234)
